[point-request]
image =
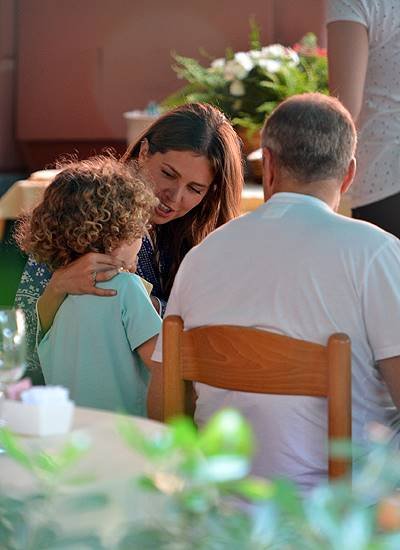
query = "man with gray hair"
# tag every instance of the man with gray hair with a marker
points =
(296, 267)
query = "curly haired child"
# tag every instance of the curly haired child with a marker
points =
(97, 347)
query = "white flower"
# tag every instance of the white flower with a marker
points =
(293, 56)
(237, 88)
(238, 67)
(218, 63)
(270, 65)
(279, 52)
(244, 59)
(234, 70)
(274, 50)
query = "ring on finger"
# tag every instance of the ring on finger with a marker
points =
(94, 275)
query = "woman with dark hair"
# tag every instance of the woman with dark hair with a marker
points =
(192, 156)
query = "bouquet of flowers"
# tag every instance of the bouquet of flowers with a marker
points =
(247, 86)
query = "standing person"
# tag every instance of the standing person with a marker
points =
(296, 267)
(97, 348)
(193, 157)
(364, 72)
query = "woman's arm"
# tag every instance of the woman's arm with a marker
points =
(347, 62)
(76, 278)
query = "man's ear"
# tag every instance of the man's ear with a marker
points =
(143, 152)
(269, 169)
(349, 176)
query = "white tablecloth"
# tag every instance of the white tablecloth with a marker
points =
(109, 468)
(108, 458)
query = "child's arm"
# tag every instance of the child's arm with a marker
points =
(145, 351)
(155, 393)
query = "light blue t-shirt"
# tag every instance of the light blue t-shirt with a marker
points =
(90, 347)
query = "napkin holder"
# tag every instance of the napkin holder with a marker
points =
(38, 420)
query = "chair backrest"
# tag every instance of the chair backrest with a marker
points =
(252, 360)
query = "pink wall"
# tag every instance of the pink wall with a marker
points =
(9, 158)
(294, 18)
(82, 63)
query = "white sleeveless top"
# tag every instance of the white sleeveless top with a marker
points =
(378, 154)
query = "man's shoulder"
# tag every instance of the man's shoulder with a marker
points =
(224, 236)
(362, 231)
(243, 224)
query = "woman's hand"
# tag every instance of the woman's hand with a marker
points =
(79, 277)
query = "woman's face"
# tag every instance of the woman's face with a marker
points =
(181, 180)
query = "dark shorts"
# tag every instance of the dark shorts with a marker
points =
(384, 213)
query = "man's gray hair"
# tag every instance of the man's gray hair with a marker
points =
(312, 137)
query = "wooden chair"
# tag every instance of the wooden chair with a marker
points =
(251, 360)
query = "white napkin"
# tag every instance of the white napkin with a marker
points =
(44, 395)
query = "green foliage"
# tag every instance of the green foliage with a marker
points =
(255, 35)
(209, 500)
(49, 467)
(247, 86)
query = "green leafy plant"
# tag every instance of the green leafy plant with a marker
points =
(247, 86)
(209, 500)
(34, 521)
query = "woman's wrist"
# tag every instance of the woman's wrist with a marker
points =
(49, 302)
(55, 286)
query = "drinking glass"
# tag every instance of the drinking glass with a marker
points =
(12, 347)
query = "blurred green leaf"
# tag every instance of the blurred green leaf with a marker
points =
(227, 433)
(222, 468)
(156, 447)
(255, 32)
(184, 433)
(253, 489)
(12, 447)
(146, 539)
(86, 502)
(44, 537)
(147, 483)
(288, 499)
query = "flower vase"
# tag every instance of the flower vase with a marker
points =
(251, 144)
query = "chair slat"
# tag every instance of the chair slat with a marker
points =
(252, 360)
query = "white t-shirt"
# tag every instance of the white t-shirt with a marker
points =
(295, 267)
(378, 154)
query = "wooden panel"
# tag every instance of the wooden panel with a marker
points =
(339, 401)
(251, 360)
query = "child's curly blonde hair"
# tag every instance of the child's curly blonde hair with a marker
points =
(91, 206)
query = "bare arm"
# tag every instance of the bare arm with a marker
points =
(390, 370)
(76, 278)
(155, 394)
(348, 60)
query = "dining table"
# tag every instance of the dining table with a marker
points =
(109, 467)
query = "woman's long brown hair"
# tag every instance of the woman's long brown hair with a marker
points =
(204, 130)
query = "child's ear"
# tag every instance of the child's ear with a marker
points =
(143, 152)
